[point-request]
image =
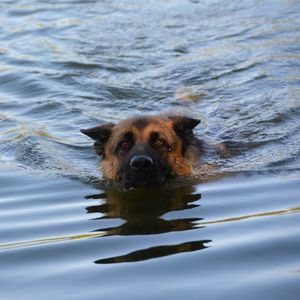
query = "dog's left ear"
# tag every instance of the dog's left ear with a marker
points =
(100, 134)
(183, 126)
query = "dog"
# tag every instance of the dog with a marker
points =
(146, 150)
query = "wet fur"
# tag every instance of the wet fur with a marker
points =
(179, 156)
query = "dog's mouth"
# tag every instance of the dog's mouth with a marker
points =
(144, 179)
(142, 183)
(143, 171)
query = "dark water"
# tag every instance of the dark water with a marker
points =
(66, 65)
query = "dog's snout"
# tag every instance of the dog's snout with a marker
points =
(141, 163)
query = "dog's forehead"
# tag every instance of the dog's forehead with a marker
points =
(139, 124)
(143, 122)
(142, 127)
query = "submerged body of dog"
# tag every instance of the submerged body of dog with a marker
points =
(146, 150)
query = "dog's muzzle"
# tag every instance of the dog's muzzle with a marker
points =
(143, 170)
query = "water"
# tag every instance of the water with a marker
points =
(66, 65)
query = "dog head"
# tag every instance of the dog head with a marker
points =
(146, 150)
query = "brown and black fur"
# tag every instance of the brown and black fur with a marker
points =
(146, 150)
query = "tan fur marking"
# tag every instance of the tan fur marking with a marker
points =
(180, 165)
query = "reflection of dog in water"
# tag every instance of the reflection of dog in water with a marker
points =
(143, 211)
(145, 151)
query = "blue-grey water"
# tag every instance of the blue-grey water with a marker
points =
(71, 64)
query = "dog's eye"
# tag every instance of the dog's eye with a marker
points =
(125, 145)
(159, 143)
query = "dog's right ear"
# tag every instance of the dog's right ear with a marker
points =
(100, 134)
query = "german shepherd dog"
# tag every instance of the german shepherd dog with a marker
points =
(146, 150)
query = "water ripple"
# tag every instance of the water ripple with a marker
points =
(67, 65)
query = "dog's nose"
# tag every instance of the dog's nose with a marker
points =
(141, 163)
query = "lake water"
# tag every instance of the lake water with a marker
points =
(66, 65)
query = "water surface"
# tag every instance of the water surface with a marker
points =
(67, 65)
